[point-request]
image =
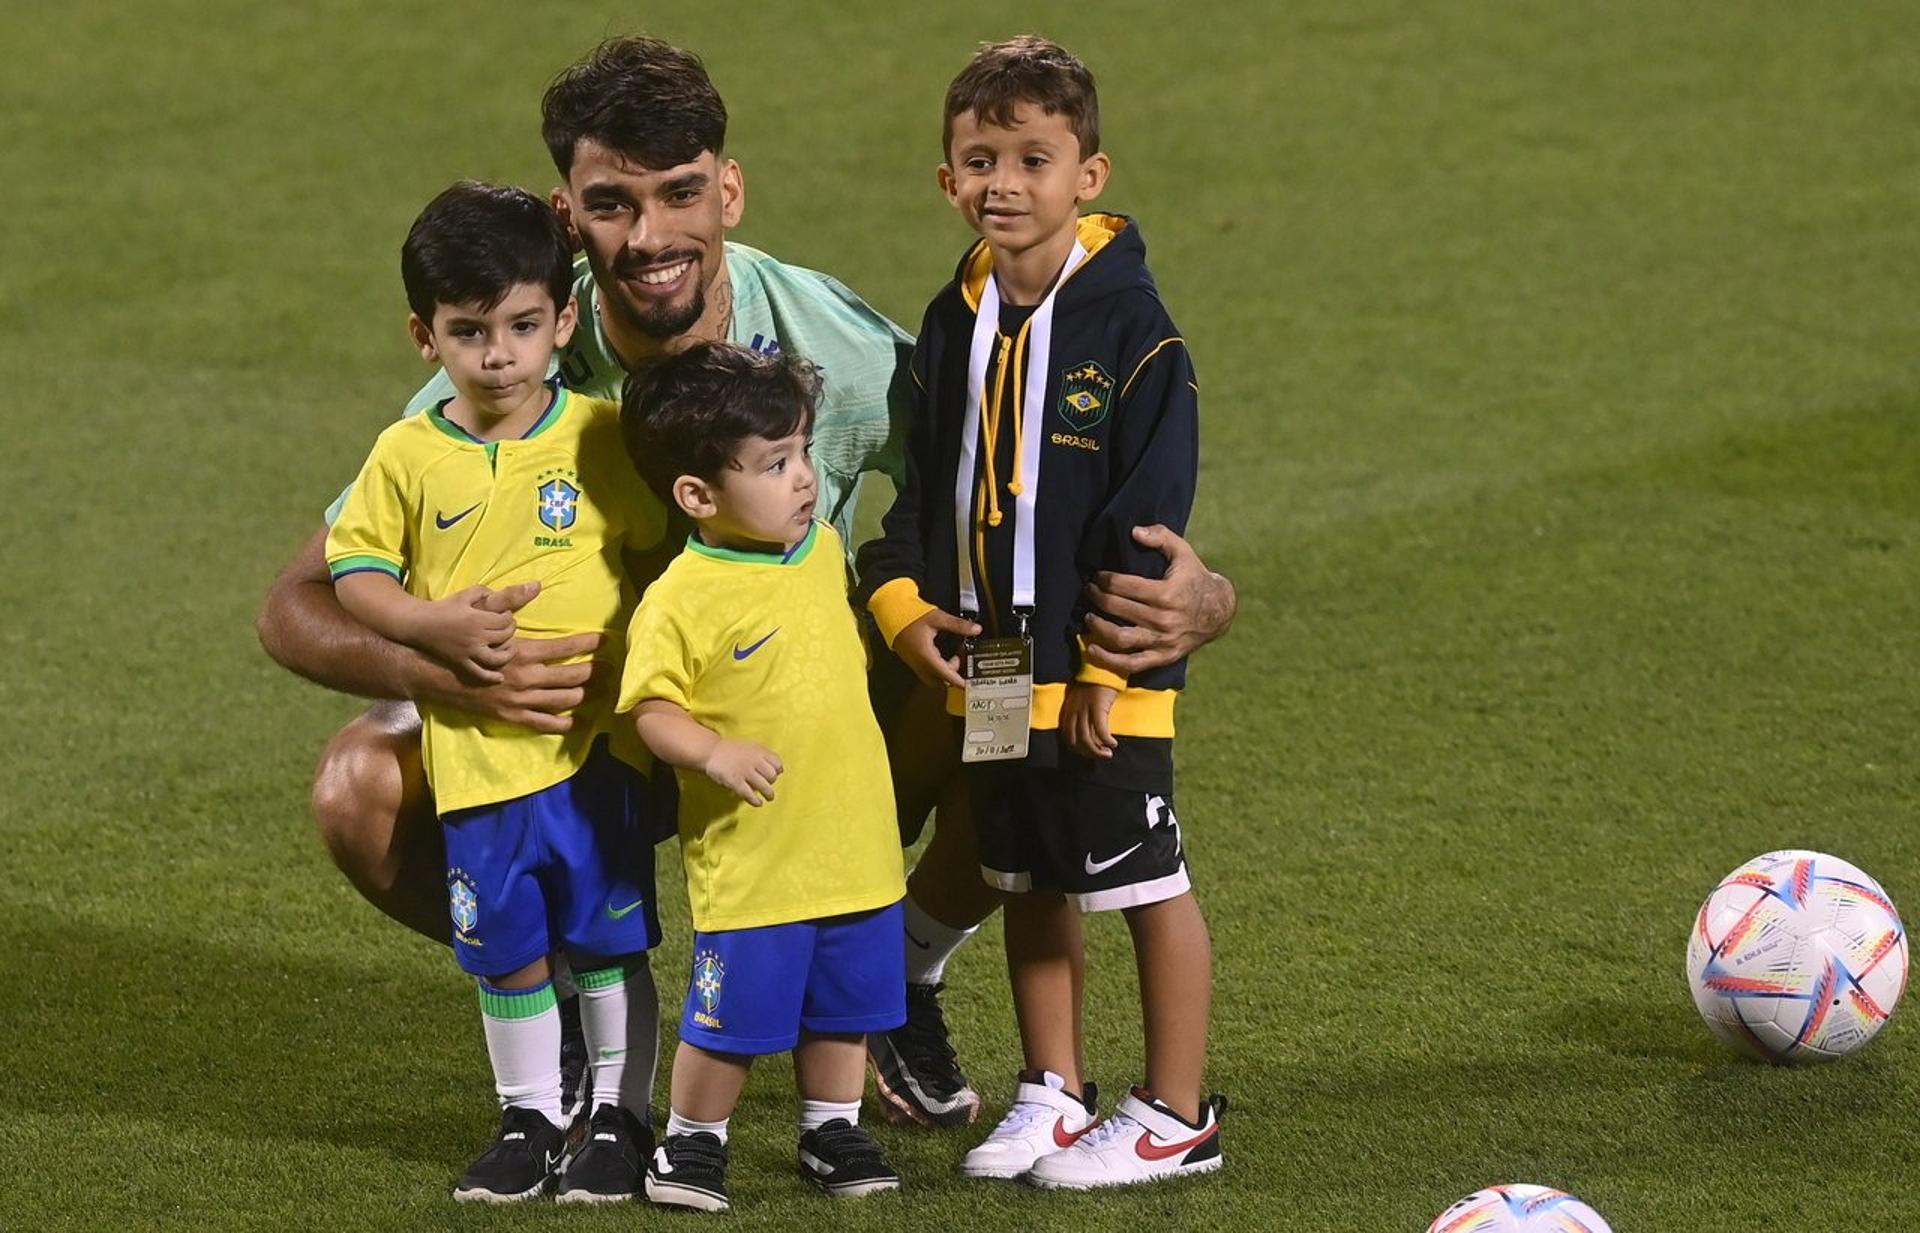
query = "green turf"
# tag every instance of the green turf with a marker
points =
(1561, 435)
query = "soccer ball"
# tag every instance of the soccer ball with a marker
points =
(1797, 957)
(1519, 1209)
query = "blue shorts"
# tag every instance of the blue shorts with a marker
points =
(570, 867)
(755, 990)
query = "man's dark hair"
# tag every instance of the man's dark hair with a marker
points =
(1028, 69)
(476, 242)
(646, 99)
(690, 413)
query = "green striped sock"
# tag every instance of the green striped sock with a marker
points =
(620, 1014)
(523, 1043)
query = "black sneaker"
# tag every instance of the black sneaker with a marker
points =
(843, 1161)
(608, 1166)
(520, 1162)
(576, 1076)
(689, 1171)
(914, 1067)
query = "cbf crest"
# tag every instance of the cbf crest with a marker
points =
(559, 504)
(708, 974)
(1086, 389)
(462, 902)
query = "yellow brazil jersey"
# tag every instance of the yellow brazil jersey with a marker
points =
(764, 648)
(442, 510)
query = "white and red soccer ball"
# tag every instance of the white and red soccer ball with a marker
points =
(1519, 1209)
(1797, 957)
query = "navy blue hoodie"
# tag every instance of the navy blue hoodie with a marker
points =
(1119, 449)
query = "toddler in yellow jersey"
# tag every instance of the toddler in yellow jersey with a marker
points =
(516, 480)
(746, 672)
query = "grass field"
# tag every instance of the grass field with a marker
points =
(1562, 433)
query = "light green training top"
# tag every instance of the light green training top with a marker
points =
(867, 392)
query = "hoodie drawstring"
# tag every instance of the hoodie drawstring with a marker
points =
(990, 419)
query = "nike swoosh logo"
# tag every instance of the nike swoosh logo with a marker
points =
(1094, 866)
(614, 913)
(917, 941)
(739, 654)
(1147, 1149)
(1062, 1137)
(443, 522)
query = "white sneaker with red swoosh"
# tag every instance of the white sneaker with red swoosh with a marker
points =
(1044, 1119)
(1144, 1141)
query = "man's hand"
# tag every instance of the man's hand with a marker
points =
(1170, 617)
(916, 647)
(745, 769)
(468, 634)
(1083, 719)
(536, 689)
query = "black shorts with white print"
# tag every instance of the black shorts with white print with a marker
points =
(1105, 847)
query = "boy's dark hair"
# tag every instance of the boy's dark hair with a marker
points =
(640, 96)
(1027, 69)
(476, 242)
(690, 413)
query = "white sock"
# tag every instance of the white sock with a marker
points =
(929, 944)
(817, 1113)
(677, 1125)
(523, 1043)
(620, 1016)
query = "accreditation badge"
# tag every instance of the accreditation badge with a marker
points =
(999, 716)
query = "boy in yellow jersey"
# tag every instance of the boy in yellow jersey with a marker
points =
(1057, 411)
(746, 672)
(515, 481)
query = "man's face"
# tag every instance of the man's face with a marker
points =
(654, 239)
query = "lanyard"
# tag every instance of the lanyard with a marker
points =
(1039, 346)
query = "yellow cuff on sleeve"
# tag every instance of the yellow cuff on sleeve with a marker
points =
(895, 606)
(1088, 674)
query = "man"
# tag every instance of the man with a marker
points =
(636, 131)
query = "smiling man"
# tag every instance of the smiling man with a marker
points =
(637, 131)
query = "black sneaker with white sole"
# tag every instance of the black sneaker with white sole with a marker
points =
(608, 1167)
(689, 1171)
(520, 1163)
(914, 1067)
(842, 1160)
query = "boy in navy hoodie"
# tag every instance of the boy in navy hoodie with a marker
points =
(1056, 412)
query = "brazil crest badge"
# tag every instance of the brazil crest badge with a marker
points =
(559, 502)
(1086, 389)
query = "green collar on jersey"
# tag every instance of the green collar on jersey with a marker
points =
(792, 556)
(437, 416)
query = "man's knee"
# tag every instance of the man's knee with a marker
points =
(369, 795)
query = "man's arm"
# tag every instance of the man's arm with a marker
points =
(306, 631)
(1172, 616)
(1139, 621)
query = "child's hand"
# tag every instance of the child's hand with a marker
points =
(916, 647)
(1083, 720)
(745, 769)
(473, 640)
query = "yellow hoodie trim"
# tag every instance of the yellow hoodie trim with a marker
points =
(1089, 674)
(895, 606)
(1094, 231)
(1136, 712)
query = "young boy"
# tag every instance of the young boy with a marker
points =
(515, 481)
(1057, 414)
(746, 672)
